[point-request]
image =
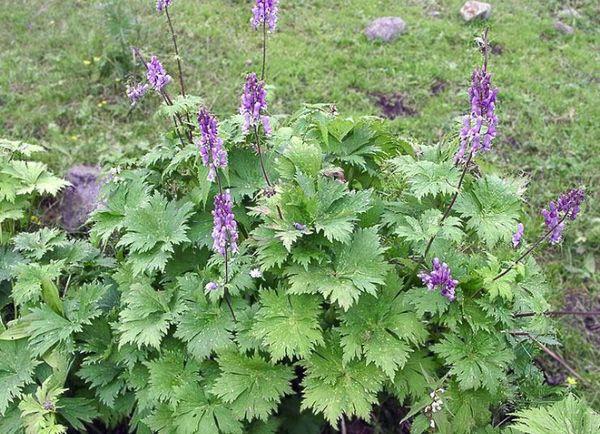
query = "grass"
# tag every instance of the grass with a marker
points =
(64, 66)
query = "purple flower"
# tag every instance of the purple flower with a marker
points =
(299, 227)
(254, 104)
(567, 206)
(479, 127)
(137, 92)
(162, 4)
(157, 76)
(211, 146)
(441, 277)
(225, 227)
(516, 239)
(211, 286)
(570, 202)
(265, 11)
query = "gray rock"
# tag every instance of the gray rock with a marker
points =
(569, 12)
(81, 197)
(564, 28)
(385, 28)
(472, 10)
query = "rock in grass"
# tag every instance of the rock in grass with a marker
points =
(81, 197)
(564, 28)
(472, 10)
(385, 29)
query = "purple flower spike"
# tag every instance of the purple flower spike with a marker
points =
(225, 227)
(570, 202)
(567, 206)
(265, 11)
(441, 277)
(254, 104)
(137, 92)
(157, 76)
(479, 127)
(516, 239)
(161, 5)
(211, 145)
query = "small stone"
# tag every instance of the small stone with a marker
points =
(564, 28)
(569, 13)
(81, 197)
(472, 10)
(385, 29)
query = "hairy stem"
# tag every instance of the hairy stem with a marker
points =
(452, 202)
(551, 353)
(262, 166)
(226, 294)
(558, 313)
(264, 50)
(530, 249)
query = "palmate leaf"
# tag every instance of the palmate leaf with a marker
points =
(153, 231)
(36, 244)
(205, 327)
(169, 373)
(381, 329)
(427, 177)
(569, 416)
(415, 378)
(34, 176)
(334, 388)
(195, 412)
(288, 324)
(493, 207)
(32, 278)
(13, 210)
(252, 386)
(477, 360)
(355, 268)
(429, 225)
(17, 365)
(147, 315)
(124, 197)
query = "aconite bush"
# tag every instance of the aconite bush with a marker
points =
(280, 274)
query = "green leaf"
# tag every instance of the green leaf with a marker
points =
(205, 327)
(334, 388)
(429, 225)
(252, 386)
(415, 378)
(569, 416)
(479, 360)
(36, 244)
(355, 268)
(493, 207)
(77, 411)
(382, 330)
(153, 231)
(146, 316)
(123, 198)
(17, 366)
(169, 373)
(34, 176)
(288, 324)
(425, 301)
(31, 279)
(427, 177)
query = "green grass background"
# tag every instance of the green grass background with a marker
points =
(64, 66)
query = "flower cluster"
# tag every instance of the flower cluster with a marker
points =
(265, 12)
(157, 76)
(254, 104)
(435, 406)
(516, 239)
(162, 4)
(225, 227)
(211, 145)
(483, 101)
(440, 276)
(567, 206)
(211, 286)
(137, 92)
